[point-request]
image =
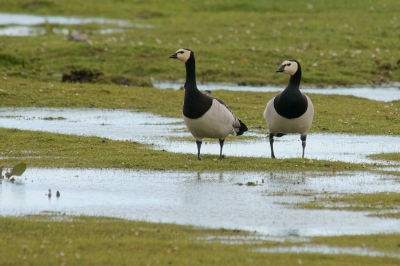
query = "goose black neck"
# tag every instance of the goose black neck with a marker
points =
(190, 72)
(291, 103)
(195, 104)
(294, 81)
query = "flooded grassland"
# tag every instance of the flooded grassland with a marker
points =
(298, 207)
(122, 150)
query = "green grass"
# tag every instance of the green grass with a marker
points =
(70, 240)
(338, 43)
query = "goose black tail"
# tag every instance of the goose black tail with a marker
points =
(243, 128)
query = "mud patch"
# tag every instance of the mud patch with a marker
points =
(86, 75)
(82, 75)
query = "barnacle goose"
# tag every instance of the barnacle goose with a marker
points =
(290, 111)
(205, 116)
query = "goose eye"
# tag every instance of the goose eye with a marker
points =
(181, 52)
(288, 64)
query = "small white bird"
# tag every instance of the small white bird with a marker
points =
(290, 111)
(205, 116)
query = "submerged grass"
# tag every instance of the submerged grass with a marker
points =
(379, 242)
(62, 240)
(389, 156)
(395, 215)
(382, 201)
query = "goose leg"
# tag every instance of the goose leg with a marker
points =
(271, 144)
(221, 144)
(303, 142)
(198, 142)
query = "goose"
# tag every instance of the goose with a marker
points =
(290, 111)
(205, 116)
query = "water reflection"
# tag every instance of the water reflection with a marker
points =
(323, 146)
(204, 199)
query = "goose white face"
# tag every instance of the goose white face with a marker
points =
(182, 55)
(288, 67)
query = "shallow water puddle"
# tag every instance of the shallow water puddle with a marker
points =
(296, 248)
(112, 124)
(204, 199)
(384, 94)
(160, 131)
(27, 19)
(322, 249)
(26, 25)
(332, 147)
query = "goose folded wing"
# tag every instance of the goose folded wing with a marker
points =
(239, 126)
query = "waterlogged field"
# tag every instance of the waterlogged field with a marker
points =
(333, 113)
(339, 44)
(90, 240)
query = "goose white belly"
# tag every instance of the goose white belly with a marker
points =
(217, 122)
(279, 124)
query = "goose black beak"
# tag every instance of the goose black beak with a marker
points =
(173, 56)
(281, 69)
